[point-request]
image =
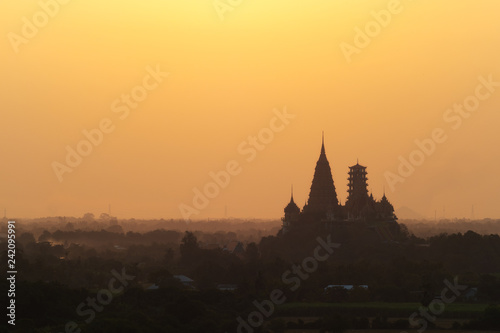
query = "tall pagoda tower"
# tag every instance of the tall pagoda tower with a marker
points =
(358, 190)
(322, 196)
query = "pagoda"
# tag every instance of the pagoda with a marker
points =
(323, 208)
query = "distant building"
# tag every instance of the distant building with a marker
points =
(345, 286)
(323, 208)
(227, 287)
(187, 282)
(235, 247)
(153, 287)
(470, 294)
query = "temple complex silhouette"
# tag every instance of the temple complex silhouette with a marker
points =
(323, 210)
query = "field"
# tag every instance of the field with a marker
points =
(372, 309)
(392, 331)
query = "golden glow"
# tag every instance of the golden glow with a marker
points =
(225, 79)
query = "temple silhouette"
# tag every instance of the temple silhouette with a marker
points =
(323, 210)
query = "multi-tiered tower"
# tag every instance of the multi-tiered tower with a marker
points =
(358, 191)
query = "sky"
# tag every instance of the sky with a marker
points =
(205, 109)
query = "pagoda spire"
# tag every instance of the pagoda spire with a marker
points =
(292, 206)
(322, 194)
(323, 142)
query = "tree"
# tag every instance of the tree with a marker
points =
(115, 228)
(252, 252)
(189, 246)
(168, 258)
(26, 238)
(45, 236)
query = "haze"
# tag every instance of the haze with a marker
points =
(227, 79)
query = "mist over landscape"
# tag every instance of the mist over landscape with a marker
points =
(264, 166)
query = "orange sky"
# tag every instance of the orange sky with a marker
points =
(69, 71)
